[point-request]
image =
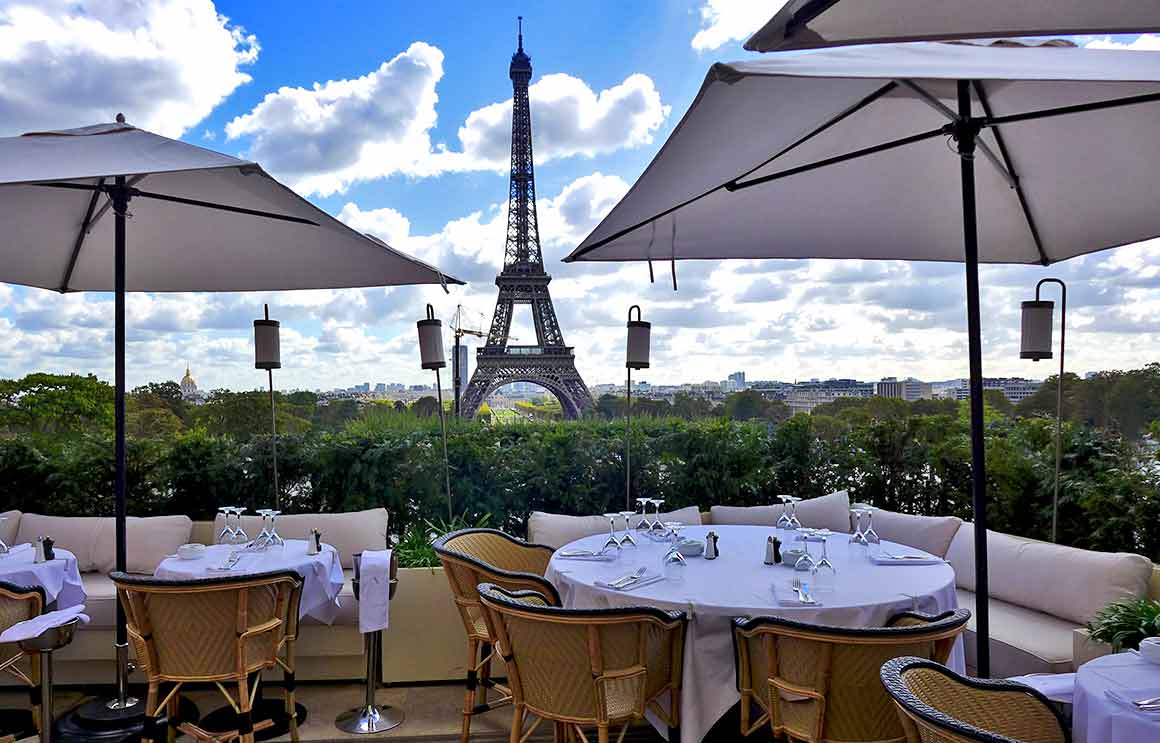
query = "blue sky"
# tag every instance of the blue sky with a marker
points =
(392, 116)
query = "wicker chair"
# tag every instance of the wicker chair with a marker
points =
(819, 684)
(578, 667)
(937, 705)
(474, 556)
(17, 604)
(220, 630)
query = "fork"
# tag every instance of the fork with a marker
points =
(803, 597)
(1150, 702)
(625, 580)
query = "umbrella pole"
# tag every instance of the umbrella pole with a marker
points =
(966, 132)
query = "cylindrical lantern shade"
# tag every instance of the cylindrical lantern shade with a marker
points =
(636, 351)
(431, 341)
(267, 348)
(1037, 322)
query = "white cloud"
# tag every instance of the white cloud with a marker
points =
(164, 64)
(723, 21)
(323, 139)
(1143, 42)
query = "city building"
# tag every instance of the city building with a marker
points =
(735, 382)
(189, 391)
(380, 388)
(1016, 389)
(804, 397)
(909, 389)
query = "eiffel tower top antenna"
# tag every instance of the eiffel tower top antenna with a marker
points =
(520, 21)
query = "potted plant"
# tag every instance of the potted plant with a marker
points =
(1123, 624)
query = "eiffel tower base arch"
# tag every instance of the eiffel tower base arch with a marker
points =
(554, 372)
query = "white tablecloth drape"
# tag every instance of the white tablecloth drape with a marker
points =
(322, 576)
(1098, 719)
(60, 577)
(374, 599)
(737, 583)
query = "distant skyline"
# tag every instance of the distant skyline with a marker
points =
(395, 118)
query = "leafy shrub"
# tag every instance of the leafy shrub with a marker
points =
(1124, 623)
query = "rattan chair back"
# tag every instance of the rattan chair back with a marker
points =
(937, 705)
(213, 629)
(17, 604)
(471, 557)
(586, 666)
(819, 683)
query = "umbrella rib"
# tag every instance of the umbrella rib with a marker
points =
(81, 233)
(1002, 145)
(1046, 113)
(840, 116)
(864, 152)
(223, 207)
(945, 110)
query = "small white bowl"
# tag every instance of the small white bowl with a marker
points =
(192, 551)
(1150, 649)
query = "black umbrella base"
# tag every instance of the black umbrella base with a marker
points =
(224, 719)
(94, 721)
(17, 723)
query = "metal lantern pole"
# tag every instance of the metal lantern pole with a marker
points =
(267, 355)
(635, 357)
(1036, 345)
(432, 357)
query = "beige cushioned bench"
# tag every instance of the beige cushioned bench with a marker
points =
(324, 652)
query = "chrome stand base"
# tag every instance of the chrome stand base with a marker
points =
(370, 719)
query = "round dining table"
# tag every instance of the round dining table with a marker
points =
(1101, 705)
(322, 576)
(738, 583)
(59, 577)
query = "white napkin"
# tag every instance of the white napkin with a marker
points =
(786, 596)
(38, 625)
(374, 591)
(644, 580)
(1126, 697)
(1059, 687)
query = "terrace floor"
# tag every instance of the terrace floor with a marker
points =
(433, 712)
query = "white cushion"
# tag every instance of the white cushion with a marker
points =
(349, 532)
(825, 512)
(9, 527)
(1022, 640)
(1065, 582)
(148, 541)
(77, 534)
(556, 530)
(931, 534)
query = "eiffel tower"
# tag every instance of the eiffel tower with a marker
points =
(548, 363)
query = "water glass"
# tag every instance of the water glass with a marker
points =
(644, 524)
(783, 519)
(627, 540)
(612, 543)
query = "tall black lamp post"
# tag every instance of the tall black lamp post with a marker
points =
(431, 356)
(1036, 345)
(636, 357)
(268, 356)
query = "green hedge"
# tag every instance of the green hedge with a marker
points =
(917, 464)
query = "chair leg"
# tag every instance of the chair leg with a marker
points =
(34, 691)
(172, 709)
(288, 690)
(484, 673)
(517, 723)
(245, 713)
(149, 733)
(469, 688)
(602, 732)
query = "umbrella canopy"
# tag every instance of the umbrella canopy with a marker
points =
(871, 152)
(1043, 191)
(805, 24)
(58, 232)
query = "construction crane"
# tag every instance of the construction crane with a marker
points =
(460, 331)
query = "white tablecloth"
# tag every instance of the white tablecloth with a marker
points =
(322, 573)
(60, 578)
(737, 584)
(1098, 719)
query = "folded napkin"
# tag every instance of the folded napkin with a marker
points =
(1059, 687)
(788, 597)
(1127, 697)
(374, 591)
(885, 560)
(38, 625)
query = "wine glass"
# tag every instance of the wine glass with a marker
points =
(858, 537)
(871, 535)
(793, 519)
(643, 525)
(806, 561)
(240, 536)
(783, 519)
(612, 543)
(226, 535)
(262, 541)
(657, 527)
(627, 540)
(673, 563)
(274, 538)
(824, 563)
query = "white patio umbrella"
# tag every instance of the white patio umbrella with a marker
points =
(870, 152)
(114, 208)
(807, 24)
